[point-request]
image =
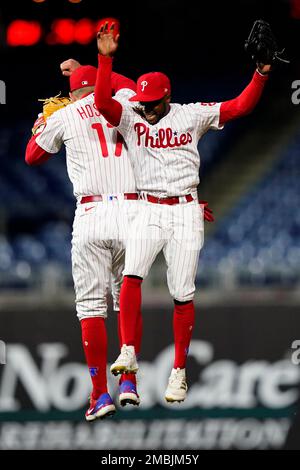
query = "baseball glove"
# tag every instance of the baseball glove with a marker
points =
(262, 46)
(50, 105)
(54, 104)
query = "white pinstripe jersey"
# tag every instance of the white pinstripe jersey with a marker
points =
(164, 156)
(97, 157)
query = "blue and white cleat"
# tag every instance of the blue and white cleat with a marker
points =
(128, 394)
(100, 408)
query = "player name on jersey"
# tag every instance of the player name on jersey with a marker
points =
(88, 111)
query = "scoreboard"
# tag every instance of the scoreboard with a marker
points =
(61, 31)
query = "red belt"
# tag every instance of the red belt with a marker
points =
(168, 200)
(99, 198)
(134, 196)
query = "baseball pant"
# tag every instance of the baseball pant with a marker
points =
(178, 230)
(99, 236)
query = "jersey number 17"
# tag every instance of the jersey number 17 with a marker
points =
(104, 150)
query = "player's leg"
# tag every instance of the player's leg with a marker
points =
(91, 262)
(145, 241)
(182, 256)
(127, 214)
(127, 384)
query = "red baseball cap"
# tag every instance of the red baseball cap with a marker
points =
(151, 87)
(84, 76)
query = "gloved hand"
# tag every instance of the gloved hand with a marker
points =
(262, 46)
(54, 104)
(50, 106)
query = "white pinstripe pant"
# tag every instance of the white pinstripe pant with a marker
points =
(100, 230)
(178, 230)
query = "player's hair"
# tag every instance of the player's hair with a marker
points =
(82, 91)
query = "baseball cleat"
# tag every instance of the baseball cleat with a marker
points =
(126, 362)
(100, 408)
(177, 386)
(128, 394)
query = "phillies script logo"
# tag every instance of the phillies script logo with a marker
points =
(164, 138)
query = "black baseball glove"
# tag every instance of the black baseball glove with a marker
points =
(262, 46)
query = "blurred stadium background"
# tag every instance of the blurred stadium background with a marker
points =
(243, 367)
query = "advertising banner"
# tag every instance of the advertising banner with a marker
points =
(243, 375)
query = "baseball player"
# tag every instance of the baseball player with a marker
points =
(104, 186)
(162, 139)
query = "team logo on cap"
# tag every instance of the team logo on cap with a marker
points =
(144, 84)
(84, 82)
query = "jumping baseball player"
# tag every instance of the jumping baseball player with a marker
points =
(162, 139)
(105, 189)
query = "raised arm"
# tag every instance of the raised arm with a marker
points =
(246, 101)
(108, 107)
(262, 47)
(118, 81)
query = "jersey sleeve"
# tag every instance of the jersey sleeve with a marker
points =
(206, 116)
(51, 138)
(35, 155)
(127, 120)
(123, 95)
